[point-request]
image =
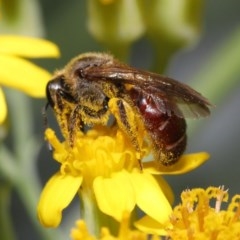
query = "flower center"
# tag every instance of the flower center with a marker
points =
(99, 152)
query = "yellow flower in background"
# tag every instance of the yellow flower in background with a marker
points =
(200, 216)
(17, 72)
(102, 166)
(80, 232)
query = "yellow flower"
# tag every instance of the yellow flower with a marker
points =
(80, 232)
(197, 217)
(16, 72)
(102, 167)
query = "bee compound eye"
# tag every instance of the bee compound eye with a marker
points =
(49, 94)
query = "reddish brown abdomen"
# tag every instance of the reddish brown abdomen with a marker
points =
(166, 130)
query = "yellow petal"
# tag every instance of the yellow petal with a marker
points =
(150, 226)
(167, 190)
(3, 107)
(27, 47)
(56, 195)
(150, 196)
(186, 163)
(23, 75)
(115, 195)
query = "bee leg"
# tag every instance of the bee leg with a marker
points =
(62, 116)
(74, 124)
(127, 122)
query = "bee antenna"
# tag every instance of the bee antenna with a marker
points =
(45, 123)
(44, 114)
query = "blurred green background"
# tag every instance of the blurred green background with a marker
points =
(64, 22)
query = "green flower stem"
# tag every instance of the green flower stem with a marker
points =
(92, 215)
(21, 169)
(7, 230)
(21, 123)
(8, 168)
(220, 74)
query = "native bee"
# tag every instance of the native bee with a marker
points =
(95, 86)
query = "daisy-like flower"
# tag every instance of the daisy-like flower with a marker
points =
(200, 216)
(17, 72)
(80, 232)
(103, 169)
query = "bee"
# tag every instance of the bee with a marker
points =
(145, 105)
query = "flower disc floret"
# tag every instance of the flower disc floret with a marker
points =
(99, 152)
(200, 216)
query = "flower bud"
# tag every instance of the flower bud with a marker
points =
(115, 23)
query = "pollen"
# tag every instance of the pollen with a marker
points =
(200, 215)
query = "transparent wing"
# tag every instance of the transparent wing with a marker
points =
(174, 96)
